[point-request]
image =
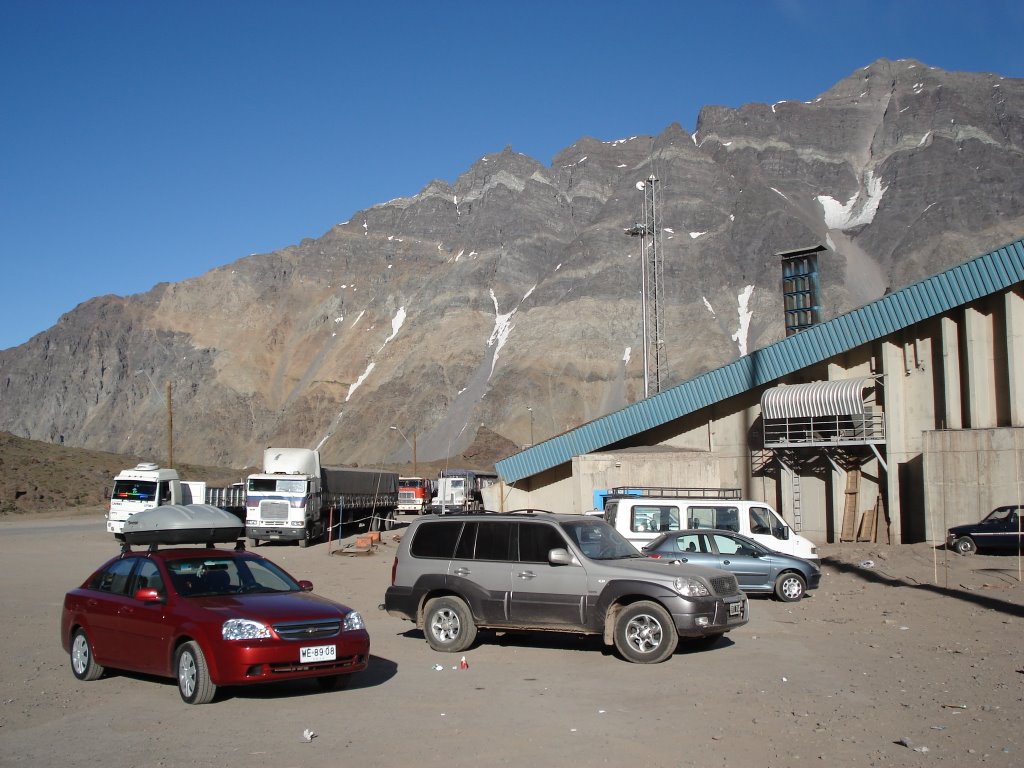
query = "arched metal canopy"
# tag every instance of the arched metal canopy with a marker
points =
(842, 397)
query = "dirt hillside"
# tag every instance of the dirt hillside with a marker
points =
(41, 477)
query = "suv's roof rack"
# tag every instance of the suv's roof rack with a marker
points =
(674, 493)
(474, 512)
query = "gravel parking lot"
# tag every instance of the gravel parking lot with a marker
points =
(905, 656)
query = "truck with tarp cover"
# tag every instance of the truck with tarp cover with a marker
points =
(296, 498)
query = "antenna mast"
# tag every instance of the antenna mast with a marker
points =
(652, 291)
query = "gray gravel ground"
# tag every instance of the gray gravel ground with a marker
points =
(906, 656)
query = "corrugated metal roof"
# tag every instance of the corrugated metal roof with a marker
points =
(982, 276)
(839, 397)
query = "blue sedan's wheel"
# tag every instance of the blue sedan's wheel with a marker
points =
(194, 682)
(790, 587)
(83, 664)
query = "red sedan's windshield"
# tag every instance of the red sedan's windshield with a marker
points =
(213, 575)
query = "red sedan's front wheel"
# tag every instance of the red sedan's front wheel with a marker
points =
(194, 682)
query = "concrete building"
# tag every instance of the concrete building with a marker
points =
(890, 423)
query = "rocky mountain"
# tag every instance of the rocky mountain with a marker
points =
(508, 303)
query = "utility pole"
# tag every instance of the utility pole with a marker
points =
(170, 428)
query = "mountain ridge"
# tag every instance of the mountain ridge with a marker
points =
(508, 299)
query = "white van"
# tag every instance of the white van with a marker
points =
(642, 514)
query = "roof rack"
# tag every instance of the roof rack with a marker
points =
(674, 493)
(476, 512)
(126, 547)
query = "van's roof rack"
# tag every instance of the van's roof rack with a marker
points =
(624, 491)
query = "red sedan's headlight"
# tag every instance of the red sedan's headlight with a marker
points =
(244, 629)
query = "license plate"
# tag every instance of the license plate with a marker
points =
(736, 609)
(312, 653)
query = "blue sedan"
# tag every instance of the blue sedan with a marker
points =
(757, 568)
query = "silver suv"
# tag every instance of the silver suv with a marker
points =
(568, 573)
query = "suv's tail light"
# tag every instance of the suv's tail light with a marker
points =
(654, 555)
(394, 570)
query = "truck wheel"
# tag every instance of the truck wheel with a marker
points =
(385, 521)
(448, 625)
(645, 634)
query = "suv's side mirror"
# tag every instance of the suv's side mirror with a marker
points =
(559, 556)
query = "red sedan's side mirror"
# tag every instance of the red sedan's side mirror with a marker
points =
(148, 595)
(305, 585)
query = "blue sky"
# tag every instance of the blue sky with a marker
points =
(145, 142)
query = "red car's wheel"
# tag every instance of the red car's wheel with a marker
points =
(194, 682)
(83, 663)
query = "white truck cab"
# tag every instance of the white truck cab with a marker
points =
(146, 486)
(641, 514)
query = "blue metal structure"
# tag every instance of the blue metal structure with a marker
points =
(982, 276)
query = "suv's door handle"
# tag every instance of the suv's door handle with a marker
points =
(725, 562)
(462, 571)
(526, 575)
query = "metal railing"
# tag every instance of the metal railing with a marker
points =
(855, 429)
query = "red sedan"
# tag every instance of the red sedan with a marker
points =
(209, 617)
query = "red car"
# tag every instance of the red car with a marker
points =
(209, 617)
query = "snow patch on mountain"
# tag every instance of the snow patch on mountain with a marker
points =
(360, 380)
(745, 313)
(396, 324)
(502, 326)
(858, 209)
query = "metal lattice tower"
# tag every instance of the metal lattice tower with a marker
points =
(652, 277)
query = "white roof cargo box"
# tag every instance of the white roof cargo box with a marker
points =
(182, 524)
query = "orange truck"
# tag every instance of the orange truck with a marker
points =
(414, 494)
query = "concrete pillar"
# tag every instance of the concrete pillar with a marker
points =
(951, 374)
(1015, 355)
(895, 436)
(981, 384)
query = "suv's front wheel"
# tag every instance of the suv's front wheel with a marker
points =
(448, 624)
(645, 633)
